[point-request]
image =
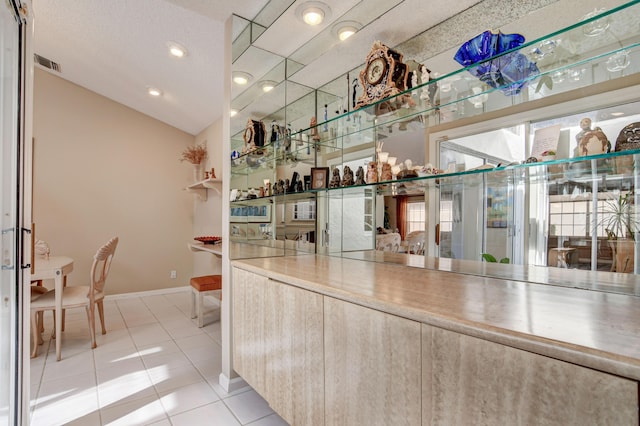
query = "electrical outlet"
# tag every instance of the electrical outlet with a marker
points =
(173, 274)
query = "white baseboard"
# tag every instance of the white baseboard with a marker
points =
(148, 293)
(231, 385)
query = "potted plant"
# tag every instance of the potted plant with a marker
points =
(195, 154)
(492, 259)
(620, 221)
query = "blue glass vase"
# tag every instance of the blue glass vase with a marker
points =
(509, 73)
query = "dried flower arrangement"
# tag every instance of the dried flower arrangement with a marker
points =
(194, 154)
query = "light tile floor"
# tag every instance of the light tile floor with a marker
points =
(153, 367)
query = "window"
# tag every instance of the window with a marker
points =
(368, 210)
(304, 210)
(446, 215)
(574, 218)
(569, 218)
(415, 216)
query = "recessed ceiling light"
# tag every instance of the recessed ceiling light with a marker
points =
(233, 112)
(617, 114)
(241, 78)
(154, 91)
(345, 29)
(176, 49)
(267, 85)
(313, 12)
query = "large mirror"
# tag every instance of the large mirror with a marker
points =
(540, 220)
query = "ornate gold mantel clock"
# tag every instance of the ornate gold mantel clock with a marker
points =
(384, 75)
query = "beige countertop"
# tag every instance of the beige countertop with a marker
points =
(590, 328)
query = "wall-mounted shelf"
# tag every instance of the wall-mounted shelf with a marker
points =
(200, 188)
(209, 248)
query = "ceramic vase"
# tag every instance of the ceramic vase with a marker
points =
(197, 172)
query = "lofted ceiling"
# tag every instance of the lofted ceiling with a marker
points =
(118, 48)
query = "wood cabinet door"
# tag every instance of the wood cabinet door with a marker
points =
(470, 381)
(372, 366)
(295, 355)
(248, 303)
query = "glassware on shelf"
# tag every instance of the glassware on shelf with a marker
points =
(510, 72)
(478, 99)
(595, 27)
(576, 74)
(558, 76)
(618, 61)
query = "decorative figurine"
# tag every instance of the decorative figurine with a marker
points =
(347, 179)
(424, 78)
(586, 130)
(287, 139)
(355, 86)
(275, 133)
(299, 187)
(325, 128)
(335, 179)
(314, 130)
(278, 187)
(360, 176)
(585, 126)
(287, 186)
(372, 172)
(253, 135)
(594, 142)
(294, 182)
(629, 137)
(386, 173)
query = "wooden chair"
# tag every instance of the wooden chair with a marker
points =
(200, 286)
(37, 288)
(77, 296)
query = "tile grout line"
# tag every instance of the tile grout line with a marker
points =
(155, 311)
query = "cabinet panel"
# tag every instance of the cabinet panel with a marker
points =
(372, 366)
(249, 348)
(278, 346)
(295, 365)
(466, 380)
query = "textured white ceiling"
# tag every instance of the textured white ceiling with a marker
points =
(117, 48)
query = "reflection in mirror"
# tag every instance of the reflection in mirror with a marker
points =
(549, 219)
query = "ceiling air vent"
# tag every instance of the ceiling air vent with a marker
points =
(47, 63)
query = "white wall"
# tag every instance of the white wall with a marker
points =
(208, 214)
(102, 169)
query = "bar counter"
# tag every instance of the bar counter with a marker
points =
(584, 327)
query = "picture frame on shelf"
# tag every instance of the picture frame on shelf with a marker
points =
(259, 213)
(238, 214)
(250, 214)
(319, 177)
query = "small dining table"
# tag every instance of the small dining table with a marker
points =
(56, 268)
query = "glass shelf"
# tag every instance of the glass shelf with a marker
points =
(508, 205)
(572, 60)
(614, 168)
